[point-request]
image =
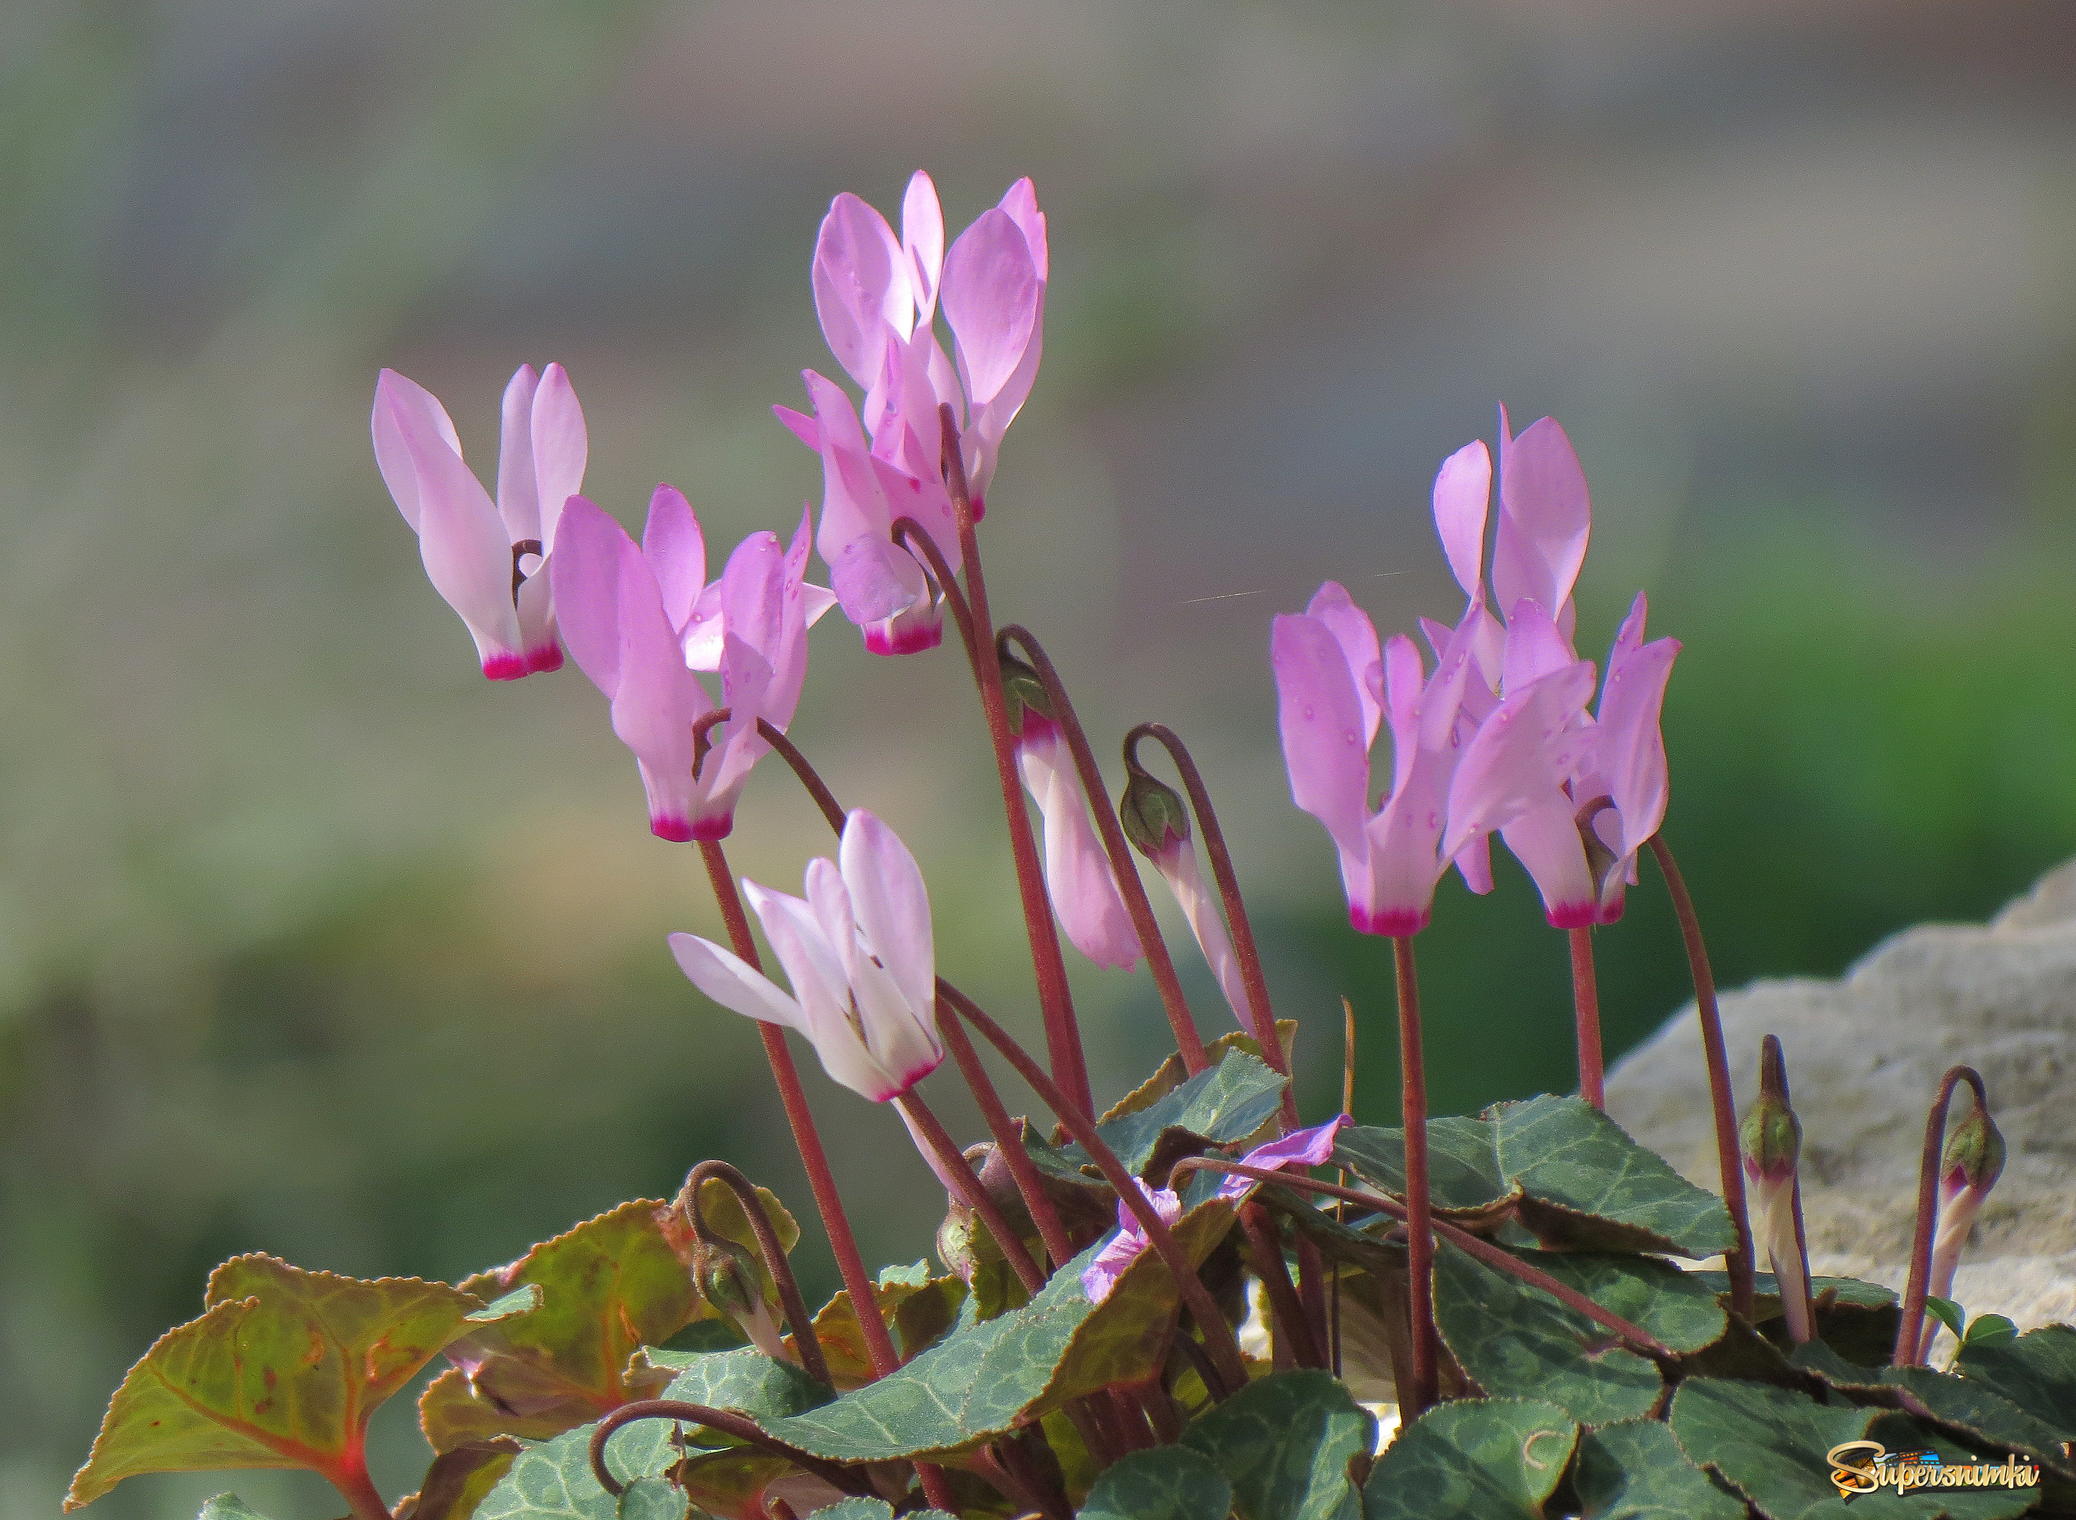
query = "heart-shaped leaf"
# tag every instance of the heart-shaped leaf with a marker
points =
(1562, 1167)
(282, 1370)
(1635, 1470)
(1217, 1106)
(1287, 1443)
(554, 1481)
(2036, 1371)
(1165, 1483)
(1473, 1459)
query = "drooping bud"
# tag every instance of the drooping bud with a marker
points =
(726, 1276)
(1771, 1139)
(1969, 1165)
(1023, 691)
(1155, 818)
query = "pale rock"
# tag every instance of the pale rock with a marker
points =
(1865, 1055)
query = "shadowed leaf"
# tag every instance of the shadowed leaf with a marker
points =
(1285, 1443)
(1166, 1483)
(1473, 1459)
(1635, 1470)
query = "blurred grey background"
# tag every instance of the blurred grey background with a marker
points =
(311, 941)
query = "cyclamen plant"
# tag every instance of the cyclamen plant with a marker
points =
(1157, 1308)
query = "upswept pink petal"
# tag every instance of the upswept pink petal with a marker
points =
(1518, 759)
(1077, 870)
(1404, 679)
(991, 299)
(861, 284)
(675, 548)
(461, 538)
(1545, 839)
(1129, 1243)
(1020, 201)
(800, 425)
(585, 574)
(518, 493)
(1357, 636)
(560, 448)
(1631, 753)
(1462, 498)
(655, 706)
(1534, 647)
(892, 905)
(1544, 520)
(922, 241)
(732, 982)
(1300, 1148)
(1200, 909)
(815, 968)
(1320, 717)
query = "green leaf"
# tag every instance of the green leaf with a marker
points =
(1565, 1169)
(1773, 1444)
(1513, 1339)
(282, 1370)
(1285, 1443)
(1165, 1483)
(229, 1507)
(1217, 1106)
(654, 1499)
(920, 1308)
(871, 1509)
(1971, 1407)
(745, 1380)
(1473, 1459)
(2037, 1372)
(1985, 1328)
(988, 1376)
(1635, 1470)
(553, 1480)
(1946, 1311)
(610, 1285)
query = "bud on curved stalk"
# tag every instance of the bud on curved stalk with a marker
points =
(1078, 880)
(486, 558)
(1771, 1138)
(1156, 821)
(726, 1278)
(1968, 1168)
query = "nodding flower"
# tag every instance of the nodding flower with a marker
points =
(486, 558)
(641, 620)
(878, 296)
(858, 954)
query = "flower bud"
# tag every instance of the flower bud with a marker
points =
(1974, 1154)
(726, 1276)
(1771, 1139)
(1155, 818)
(1023, 691)
(1771, 1135)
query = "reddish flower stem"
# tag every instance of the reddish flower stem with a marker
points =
(1729, 1164)
(1122, 867)
(1496, 1257)
(1227, 1366)
(1048, 964)
(1294, 1336)
(850, 1265)
(810, 778)
(1260, 1013)
(1911, 1329)
(958, 1175)
(1009, 1145)
(1585, 1009)
(1423, 1386)
(768, 1246)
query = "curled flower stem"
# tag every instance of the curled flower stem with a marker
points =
(850, 1265)
(729, 1423)
(957, 1174)
(1260, 1013)
(1471, 1245)
(1294, 1336)
(1911, 1330)
(1118, 848)
(1221, 1347)
(810, 778)
(1048, 963)
(768, 1246)
(1422, 1374)
(1738, 1262)
(1585, 1008)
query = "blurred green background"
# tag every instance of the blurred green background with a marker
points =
(313, 942)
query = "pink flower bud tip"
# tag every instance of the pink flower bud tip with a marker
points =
(916, 636)
(541, 661)
(506, 667)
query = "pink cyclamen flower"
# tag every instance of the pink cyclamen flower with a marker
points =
(1300, 1148)
(1078, 879)
(1575, 795)
(1335, 688)
(878, 296)
(485, 558)
(640, 620)
(858, 953)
